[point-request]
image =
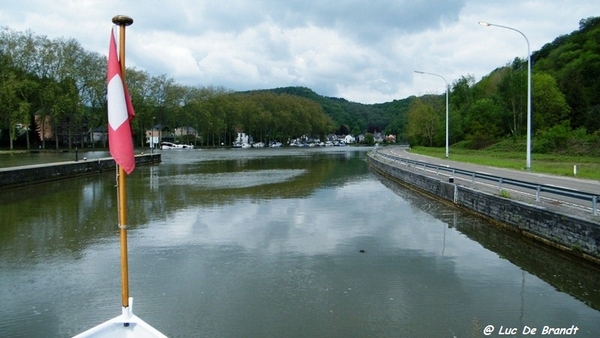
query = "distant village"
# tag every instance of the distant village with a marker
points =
(159, 134)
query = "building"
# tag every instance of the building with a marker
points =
(157, 134)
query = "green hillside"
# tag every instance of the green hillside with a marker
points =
(565, 100)
(352, 117)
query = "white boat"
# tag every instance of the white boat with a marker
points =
(243, 145)
(125, 325)
(170, 145)
(258, 145)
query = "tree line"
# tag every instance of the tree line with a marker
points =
(57, 83)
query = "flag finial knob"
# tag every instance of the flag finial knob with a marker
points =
(122, 20)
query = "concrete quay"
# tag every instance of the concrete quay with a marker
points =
(12, 177)
(561, 226)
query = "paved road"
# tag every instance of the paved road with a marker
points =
(583, 208)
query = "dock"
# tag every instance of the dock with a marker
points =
(12, 177)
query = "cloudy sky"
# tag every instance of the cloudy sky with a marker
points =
(362, 50)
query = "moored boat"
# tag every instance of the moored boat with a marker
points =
(242, 145)
(170, 145)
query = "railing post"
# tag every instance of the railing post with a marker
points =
(595, 205)
(500, 184)
(473, 178)
(537, 193)
(455, 194)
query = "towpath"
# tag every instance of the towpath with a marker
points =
(574, 206)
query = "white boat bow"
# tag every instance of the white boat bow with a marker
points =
(127, 325)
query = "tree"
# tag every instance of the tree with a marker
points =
(483, 122)
(461, 91)
(512, 89)
(92, 90)
(551, 108)
(423, 123)
(14, 107)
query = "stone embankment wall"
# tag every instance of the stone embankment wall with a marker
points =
(19, 176)
(570, 233)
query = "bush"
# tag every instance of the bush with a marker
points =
(564, 140)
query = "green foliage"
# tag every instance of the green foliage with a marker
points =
(484, 121)
(351, 116)
(369, 139)
(574, 61)
(551, 107)
(565, 87)
(504, 193)
(281, 116)
(512, 92)
(562, 139)
(424, 123)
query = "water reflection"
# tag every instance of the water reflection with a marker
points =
(268, 243)
(564, 272)
(48, 156)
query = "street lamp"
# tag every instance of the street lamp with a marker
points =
(420, 72)
(152, 137)
(528, 161)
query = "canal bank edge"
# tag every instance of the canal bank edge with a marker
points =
(32, 174)
(565, 232)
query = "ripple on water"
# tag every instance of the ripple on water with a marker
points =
(243, 179)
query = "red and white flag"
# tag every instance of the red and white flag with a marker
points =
(120, 112)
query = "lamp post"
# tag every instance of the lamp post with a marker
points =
(420, 72)
(152, 135)
(528, 160)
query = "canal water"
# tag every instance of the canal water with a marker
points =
(277, 243)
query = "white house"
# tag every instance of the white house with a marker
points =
(100, 134)
(185, 131)
(241, 139)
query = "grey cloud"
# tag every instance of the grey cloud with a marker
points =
(363, 20)
(361, 50)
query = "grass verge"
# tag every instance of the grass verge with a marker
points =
(588, 167)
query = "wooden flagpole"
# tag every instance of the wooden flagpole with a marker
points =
(123, 21)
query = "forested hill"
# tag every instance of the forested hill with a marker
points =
(565, 99)
(574, 61)
(352, 117)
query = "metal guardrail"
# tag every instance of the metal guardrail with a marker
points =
(538, 188)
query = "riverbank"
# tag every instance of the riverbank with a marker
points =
(31, 174)
(568, 232)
